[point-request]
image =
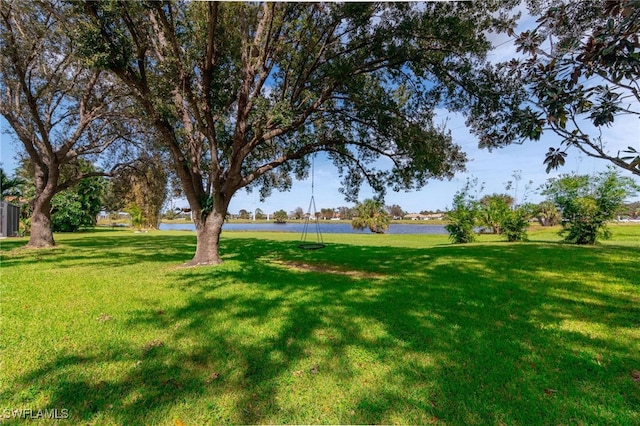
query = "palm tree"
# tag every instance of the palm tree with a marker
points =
(10, 186)
(371, 214)
(547, 214)
(493, 211)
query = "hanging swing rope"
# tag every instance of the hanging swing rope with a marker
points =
(305, 242)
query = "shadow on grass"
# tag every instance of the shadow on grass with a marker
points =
(105, 249)
(478, 334)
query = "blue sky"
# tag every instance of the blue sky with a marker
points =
(493, 169)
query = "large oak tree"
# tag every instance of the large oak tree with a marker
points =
(60, 110)
(243, 93)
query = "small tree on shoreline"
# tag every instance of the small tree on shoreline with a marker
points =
(491, 211)
(463, 215)
(587, 203)
(371, 214)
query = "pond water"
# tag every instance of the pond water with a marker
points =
(325, 228)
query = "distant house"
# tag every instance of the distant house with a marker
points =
(419, 216)
(435, 216)
(415, 216)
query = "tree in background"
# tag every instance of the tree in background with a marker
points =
(547, 214)
(493, 210)
(582, 69)
(143, 184)
(371, 214)
(395, 211)
(632, 210)
(57, 108)
(10, 186)
(298, 213)
(17, 188)
(280, 216)
(346, 213)
(588, 202)
(135, 213)
(515, 223)
(242, 94)
(327, 213)
(463, 214)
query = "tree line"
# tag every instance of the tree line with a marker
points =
(231, 96)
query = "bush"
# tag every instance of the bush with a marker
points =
(280, 216)
(515, 224)
(463, 215)
(77, 207)
(587, 203)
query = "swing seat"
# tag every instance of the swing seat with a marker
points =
(311, 246)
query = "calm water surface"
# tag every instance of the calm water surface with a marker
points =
(325, 228)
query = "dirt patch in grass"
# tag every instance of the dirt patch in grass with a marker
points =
(327, 269)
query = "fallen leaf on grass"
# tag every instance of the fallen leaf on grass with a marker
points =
(104, 317)
(550, 391)
(155, 343)
(212, 377)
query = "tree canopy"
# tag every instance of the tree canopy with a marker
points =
(242, 93)
(143, 184)
(580, 73)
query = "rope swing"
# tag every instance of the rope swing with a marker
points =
(305, 239)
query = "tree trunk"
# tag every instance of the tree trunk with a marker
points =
(41, 233)
(208, 239)
(45, 180)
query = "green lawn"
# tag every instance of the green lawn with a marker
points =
(372, 329)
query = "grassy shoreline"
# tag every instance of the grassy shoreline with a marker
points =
(373, 329)
(122, 222)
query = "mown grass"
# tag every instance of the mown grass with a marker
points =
(372, 329)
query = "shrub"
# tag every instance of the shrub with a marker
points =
(515, 224)
(587, 203)
(77, 207)
(463, 215)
